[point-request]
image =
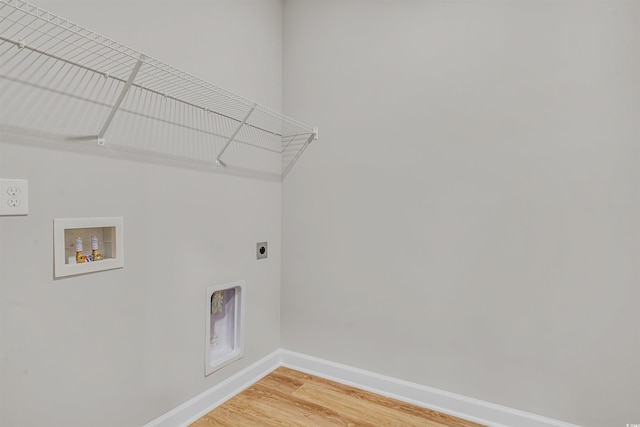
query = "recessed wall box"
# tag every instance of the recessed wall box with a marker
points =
(224, 325)
(87, 245)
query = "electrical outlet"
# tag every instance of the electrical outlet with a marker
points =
(14, 197)
(261, 250)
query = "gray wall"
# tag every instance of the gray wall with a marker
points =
(119, 348)
(469, 219)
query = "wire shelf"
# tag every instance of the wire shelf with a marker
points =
(59, 78)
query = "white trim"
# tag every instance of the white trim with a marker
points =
(208, 400)
(468, 408)
(453, 404)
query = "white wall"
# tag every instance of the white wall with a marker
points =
(120, 348)
(469, 219)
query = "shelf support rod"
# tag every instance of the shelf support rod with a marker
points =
(312, 137)
(233, 136)
(116, 106)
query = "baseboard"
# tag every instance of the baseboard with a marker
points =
(468, 408)
(208, 400)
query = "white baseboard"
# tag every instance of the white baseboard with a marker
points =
(208, 400)
(468, 408)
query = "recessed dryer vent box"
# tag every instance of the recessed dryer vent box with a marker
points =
(87, 245)
(224, 325)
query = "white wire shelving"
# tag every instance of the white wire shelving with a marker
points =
(60, 79)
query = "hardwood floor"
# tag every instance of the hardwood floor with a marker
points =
(287, 397)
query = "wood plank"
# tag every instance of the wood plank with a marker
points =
(277, 407)
(222, 418)
(376, 399)
(284, 383)
(290, 398)
(368, 411)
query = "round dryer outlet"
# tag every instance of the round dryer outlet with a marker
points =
(261, 250)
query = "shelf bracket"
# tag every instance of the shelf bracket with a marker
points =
(233, 136)
(100, 139)
(312, 137)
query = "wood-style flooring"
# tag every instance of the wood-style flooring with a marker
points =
(287, 397)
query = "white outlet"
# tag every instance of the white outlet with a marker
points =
(14, 197)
